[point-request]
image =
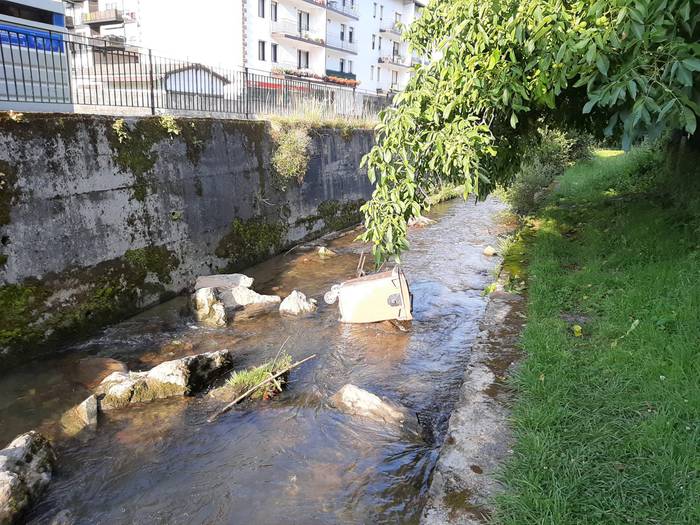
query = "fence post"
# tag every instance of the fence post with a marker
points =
(246, 93)
(150, 74)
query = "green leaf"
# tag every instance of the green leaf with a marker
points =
(588, 107)
(513, 120)
(693, 64)
(690, 120)
(603, 63)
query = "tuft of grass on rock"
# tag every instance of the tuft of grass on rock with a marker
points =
(242, 380)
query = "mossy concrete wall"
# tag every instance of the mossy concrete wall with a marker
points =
(99, 220)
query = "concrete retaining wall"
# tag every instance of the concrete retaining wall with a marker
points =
(98, 221)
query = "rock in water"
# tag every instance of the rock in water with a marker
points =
(239, 296)
(65, 517)
(296, 303)
(80, 416)
(490, 251)
(90, 371)
(229, 280)
(358, 402)
(179, 377)
(208, 310)
(419, 222)
(26, 465)
(324, 252)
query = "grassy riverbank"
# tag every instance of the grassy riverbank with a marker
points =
(607, 419)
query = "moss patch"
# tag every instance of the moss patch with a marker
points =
(335, 215)
(196, 134)
(250, 241)
(67, 305)
(133, 151)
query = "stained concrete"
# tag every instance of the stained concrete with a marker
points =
(93, 229)
(479, 438)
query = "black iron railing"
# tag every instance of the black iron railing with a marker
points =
(75, 73)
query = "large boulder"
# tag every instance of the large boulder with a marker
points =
(179, 377)
(91, 370)
(296, 303)
(358, 402)
(26, 465)
(208, 310)
(228, 280)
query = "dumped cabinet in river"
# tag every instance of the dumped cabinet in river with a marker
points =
(377, 297)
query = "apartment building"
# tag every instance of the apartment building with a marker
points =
(355, 40)
(346, 42)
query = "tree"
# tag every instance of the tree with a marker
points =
(629, 66)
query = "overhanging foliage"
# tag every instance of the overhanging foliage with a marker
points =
(630, 67)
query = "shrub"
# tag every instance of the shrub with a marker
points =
(290, 157)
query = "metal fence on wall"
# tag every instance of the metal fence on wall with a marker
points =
(107, 76)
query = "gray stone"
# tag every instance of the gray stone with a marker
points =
(325, 253)
(296, 303)
(419, 222)
(208, 310)
(228, 280)
(358, 402)
(179, 377)
(26, 465)
(239, 296)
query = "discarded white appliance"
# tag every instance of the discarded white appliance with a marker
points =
(377, 297)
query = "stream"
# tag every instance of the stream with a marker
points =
(292, 459)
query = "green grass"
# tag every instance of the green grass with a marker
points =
(607, 425)
(242, 380)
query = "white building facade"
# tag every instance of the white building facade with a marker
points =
(354, 43)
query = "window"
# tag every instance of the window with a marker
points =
(342, 32)
(261, 50)
(394, 78)
(303, 21)
(261, 8)
(351, 34)
(371, 72)
(395, 50)
(342, 65)
(375, 10)
(302, 59)
(349, 66)
(374, 41)
(380, 43)
(379, 73)
(381, 12)
(273, 11)
(397, 17)
(273, 53)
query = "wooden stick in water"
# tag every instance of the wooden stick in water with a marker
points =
(253, 389)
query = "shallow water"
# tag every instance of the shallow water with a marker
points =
(293, 458)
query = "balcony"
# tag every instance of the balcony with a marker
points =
(335, 43)
(340, 74)
(391, 29)
(291, 29)
(104, 17)
(344, 7)
(393, 60)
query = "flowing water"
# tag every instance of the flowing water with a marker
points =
(292, 459)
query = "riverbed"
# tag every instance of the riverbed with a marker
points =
(291, 459)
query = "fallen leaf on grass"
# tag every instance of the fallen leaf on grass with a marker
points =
(577, 330)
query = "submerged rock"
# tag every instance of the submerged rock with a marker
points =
(228, 280)
(179, 377)
(358, 402)
(65, 517)
(208, 310)
(296, 303)
(490, 251)
(26, 465)
(90, 371)
(80, 416)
